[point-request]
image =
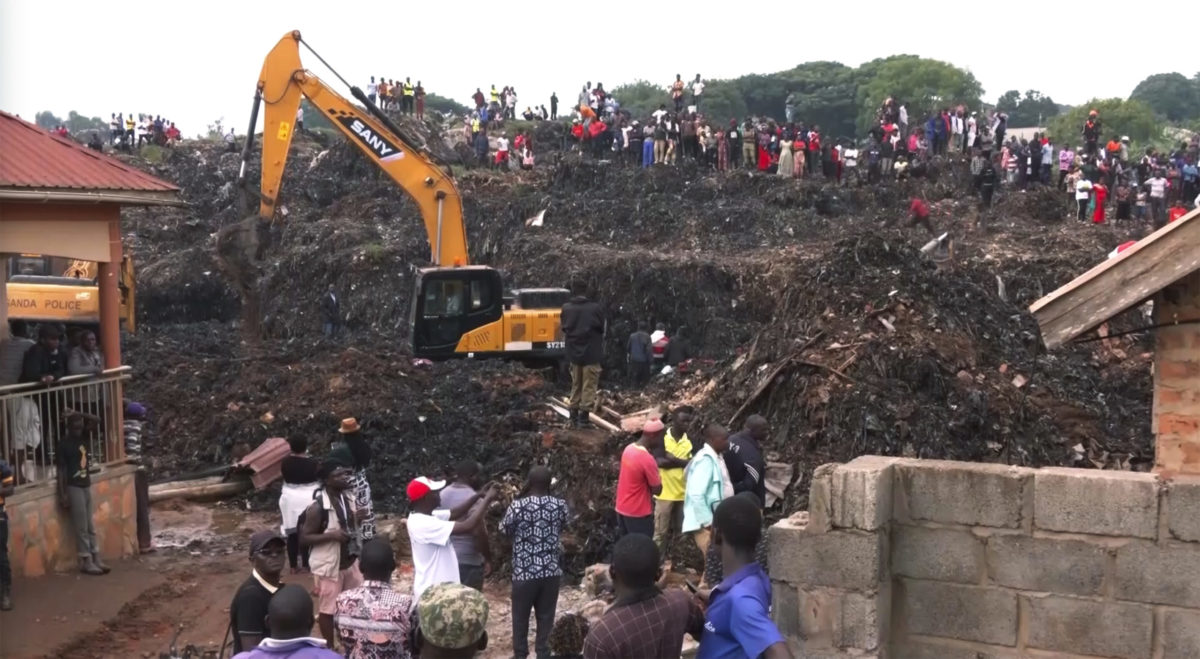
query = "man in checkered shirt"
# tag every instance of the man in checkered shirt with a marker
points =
(644, 621)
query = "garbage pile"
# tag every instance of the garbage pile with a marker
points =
(802, 302)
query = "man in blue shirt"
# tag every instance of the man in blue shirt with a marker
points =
(738, 624)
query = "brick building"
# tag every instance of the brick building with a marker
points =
(60, 200)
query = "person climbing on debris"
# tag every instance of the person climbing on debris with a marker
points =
(986, 181)
(331, 313)
(638, 349)
(583, 327)
(918, 213)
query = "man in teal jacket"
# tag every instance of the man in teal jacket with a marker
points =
(707, 484)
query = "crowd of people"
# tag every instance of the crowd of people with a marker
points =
(714, 497)
(403, 97)
(126, 133)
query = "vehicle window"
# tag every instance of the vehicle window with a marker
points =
(30, 264)
(443, 298)
(481, 295)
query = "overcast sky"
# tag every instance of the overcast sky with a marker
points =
(198, 61)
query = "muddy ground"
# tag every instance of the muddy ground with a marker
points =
(182, 593)
(797, 290)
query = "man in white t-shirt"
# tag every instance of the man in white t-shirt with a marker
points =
(1158, 199)
(697, 91)
(429, 530)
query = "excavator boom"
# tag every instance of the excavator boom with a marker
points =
(281, 84)
(458, 310)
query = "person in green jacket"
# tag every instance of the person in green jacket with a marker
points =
(707, 484)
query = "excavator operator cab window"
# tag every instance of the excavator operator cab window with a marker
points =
(30, 264)
(451, 303)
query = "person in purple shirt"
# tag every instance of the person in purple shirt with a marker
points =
(738, 624)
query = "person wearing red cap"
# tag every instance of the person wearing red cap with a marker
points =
(430, 530)
(638, 481)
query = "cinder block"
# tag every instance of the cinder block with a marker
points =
(1051, 565)
(1183, 508)
(934, 649)
(1158, 574)
(1096, 502)
(819, 617)
(864, 621)
(785, 608)
(969, 613)
(1180, 634)
(838, 559)
(820, 499)
(1105, 629)
(862, 493)
(960, 492)
(939, 554)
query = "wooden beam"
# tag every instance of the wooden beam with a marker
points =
(1120, 283)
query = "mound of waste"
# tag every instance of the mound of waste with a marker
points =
(801, 302)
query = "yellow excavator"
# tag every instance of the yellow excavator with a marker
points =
(458, 309)
(37, 294)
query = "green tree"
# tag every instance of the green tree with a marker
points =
(77, 123)
(1117, 117)
(436, 103)
(1170, 95)
(639, 98)
(924, 85)
(1033, 109)
(47, 120)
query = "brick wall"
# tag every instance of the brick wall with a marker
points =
(1176, 420)
(40, 537)
(914, 559)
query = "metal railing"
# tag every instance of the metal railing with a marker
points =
(33, 421)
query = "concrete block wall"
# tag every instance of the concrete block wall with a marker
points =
(908, 559)
(40, 537)
(1176, 417)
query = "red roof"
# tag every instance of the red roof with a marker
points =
(34, 158)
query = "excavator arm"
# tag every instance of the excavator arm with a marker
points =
(281, 84)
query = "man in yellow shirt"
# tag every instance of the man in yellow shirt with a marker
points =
(672, 457)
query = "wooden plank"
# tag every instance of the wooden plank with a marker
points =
(1115, 262)
(1121, 283)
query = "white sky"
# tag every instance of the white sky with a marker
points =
(197, 61)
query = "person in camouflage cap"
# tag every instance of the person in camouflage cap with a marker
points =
(451, 621)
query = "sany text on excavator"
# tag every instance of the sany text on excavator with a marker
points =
(458, 309)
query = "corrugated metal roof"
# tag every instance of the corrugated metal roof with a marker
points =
(34, 158)
(265, 461)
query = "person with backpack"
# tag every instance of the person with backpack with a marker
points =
(328, 529)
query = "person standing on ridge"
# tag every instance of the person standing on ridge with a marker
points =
(583, 328)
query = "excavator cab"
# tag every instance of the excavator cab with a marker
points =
(449, 303)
